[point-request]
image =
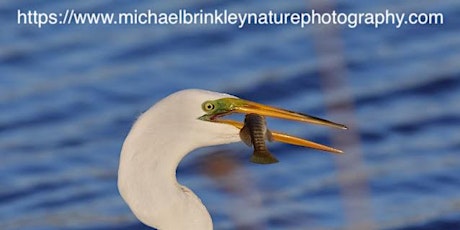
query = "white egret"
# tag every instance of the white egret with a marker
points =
(168, 131)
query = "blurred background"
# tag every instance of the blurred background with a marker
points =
(69, 95)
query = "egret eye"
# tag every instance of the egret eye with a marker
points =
(208, 106)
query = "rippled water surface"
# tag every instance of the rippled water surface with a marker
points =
(69, 95)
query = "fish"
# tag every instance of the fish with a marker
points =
(254, 133)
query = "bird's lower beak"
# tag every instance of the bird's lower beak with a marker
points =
(246, 107)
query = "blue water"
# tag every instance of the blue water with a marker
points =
(69, 95)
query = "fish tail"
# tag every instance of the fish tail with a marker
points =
(263, 157)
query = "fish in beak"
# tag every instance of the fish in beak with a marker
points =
(254, 133)
(216, 109)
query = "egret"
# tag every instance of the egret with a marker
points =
(166, 133)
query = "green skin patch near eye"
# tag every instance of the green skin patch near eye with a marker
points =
(219, 107)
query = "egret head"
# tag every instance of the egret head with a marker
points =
(200, 115)
(181, 112)
(215, 109)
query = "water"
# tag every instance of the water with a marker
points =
(69, 94)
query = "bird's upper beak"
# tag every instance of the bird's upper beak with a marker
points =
(217, 108)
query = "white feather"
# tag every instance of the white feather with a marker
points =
(157, 142)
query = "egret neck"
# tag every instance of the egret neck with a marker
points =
(147, 179)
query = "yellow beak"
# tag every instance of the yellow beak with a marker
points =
(236, 105)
